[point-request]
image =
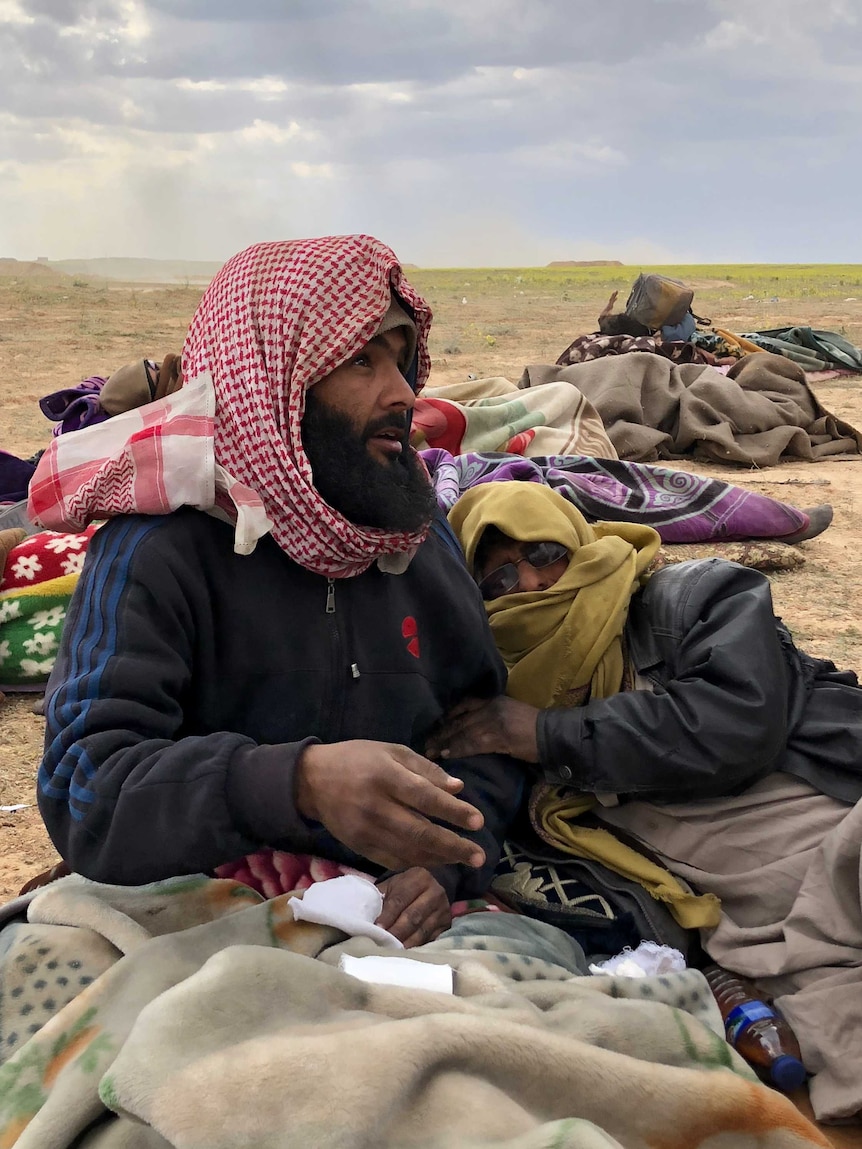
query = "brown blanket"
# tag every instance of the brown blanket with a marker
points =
(786, 863)
(760, 412)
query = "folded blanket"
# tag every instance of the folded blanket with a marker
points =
(39, 576)
(203, 1022)
(812, 349)
(493, 415)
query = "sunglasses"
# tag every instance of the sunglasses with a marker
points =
(504, 579)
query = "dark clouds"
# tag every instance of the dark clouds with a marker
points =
(524, 129)
(342, 42)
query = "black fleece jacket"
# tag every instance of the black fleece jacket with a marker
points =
(190, 678)
(732, 699)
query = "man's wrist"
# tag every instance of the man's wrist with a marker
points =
(306, 802)
(260, 789)
(449, 878)
(554, 762)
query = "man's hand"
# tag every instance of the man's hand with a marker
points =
(482, 726)
(415, 907)
(377, 798)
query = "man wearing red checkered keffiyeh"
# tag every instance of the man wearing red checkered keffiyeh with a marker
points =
(265, 674)
(273, 325)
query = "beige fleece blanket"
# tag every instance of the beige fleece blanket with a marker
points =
(786, 863)
(192, 1014)
(763, 410)
(483, 415)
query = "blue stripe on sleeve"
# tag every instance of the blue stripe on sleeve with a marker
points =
(92, 642)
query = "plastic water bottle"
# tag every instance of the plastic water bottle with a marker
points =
(756, 1031)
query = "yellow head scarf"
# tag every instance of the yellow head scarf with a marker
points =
(558, 641)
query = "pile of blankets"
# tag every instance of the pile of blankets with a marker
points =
(819, 353)
(191, 1013)
(761, 412)
(640, 408)
(813, 350)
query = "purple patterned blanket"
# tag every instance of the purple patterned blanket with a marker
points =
(683, 508)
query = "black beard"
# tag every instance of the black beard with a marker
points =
(394, 496)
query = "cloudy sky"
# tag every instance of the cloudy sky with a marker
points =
(463, 132)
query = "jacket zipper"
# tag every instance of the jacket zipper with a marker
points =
(336, 693)
(330, 609)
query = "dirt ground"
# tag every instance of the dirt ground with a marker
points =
(56, 330)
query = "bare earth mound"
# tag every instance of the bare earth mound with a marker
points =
(22, 268)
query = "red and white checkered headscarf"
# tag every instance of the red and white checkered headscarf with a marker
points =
(275, 320)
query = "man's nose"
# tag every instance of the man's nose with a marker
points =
(396, 391)
(530, 578)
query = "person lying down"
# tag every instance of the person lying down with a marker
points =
(685, 709)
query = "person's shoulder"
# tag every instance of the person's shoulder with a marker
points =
(439, 574)
(159, 538)
(681, 589)
(441, 554)
(705, 572)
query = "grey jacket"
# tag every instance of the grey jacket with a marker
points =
(732, 699)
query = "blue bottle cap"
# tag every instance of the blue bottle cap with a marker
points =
(788, 1073)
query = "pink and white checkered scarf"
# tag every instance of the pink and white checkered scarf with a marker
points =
(276, 319)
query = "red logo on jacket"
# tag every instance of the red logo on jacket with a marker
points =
(410, 630)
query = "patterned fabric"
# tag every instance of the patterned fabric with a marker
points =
(189, 1013)
(40, 574)
(152, 459)
(494, 415)
(75, 407)
(274, 872)
(682, 507)
(31, 622)
(44, 556)
(588, 347)
(276, 319)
